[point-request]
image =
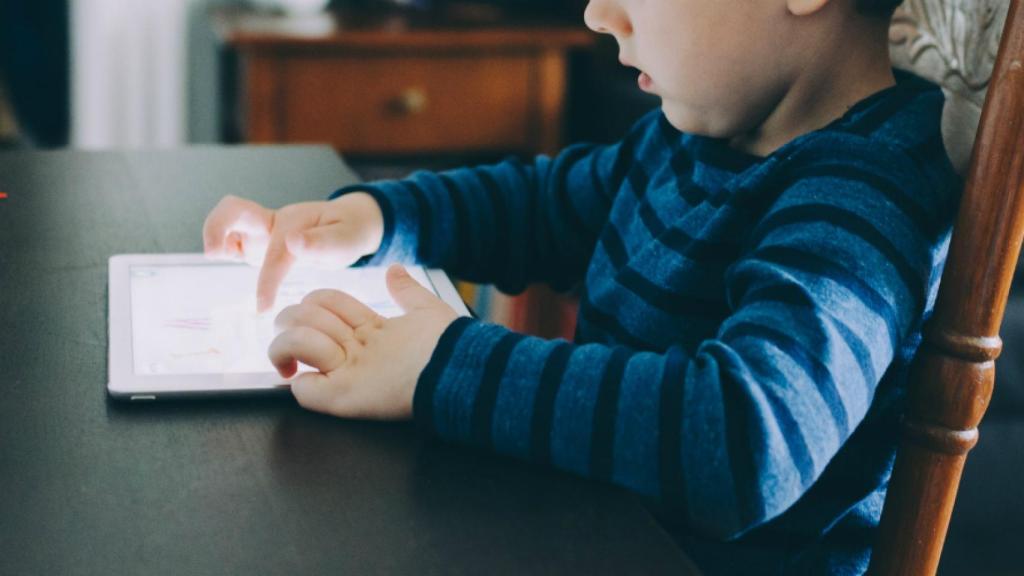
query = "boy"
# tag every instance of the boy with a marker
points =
(756, 258)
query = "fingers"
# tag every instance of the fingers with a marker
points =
(318, 318)
(351, 311)
(229, 222)
(276, 265)
(407, 292)
(317, 332)
(306, 345)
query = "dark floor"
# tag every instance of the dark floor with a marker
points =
(986, 534)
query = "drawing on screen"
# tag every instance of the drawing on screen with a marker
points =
(203, 319)
(189, 323)
(208, 352)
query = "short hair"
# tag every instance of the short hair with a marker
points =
(877, 8)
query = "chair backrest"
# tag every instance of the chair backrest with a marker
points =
(954, 42)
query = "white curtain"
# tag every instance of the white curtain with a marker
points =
(128, 80)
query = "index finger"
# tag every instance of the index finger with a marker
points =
(276, 265)
(306, 345)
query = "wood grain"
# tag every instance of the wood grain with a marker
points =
(408, 104)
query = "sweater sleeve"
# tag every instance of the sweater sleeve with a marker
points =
(732, 432)
(507, 224)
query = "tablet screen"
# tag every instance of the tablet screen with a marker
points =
(201, 319)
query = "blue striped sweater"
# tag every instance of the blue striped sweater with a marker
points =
(745, 323)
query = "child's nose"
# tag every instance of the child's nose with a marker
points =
(607, 17)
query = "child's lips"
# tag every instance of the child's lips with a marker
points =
(645, 82)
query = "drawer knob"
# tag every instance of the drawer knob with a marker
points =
(411, 101)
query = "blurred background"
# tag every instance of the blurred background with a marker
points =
(164, 73)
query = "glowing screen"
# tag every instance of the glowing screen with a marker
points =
(201, 319)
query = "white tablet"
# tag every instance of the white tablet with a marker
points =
(182, 325)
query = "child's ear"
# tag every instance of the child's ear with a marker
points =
(805, 7)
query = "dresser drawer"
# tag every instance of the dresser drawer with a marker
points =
(407, 104)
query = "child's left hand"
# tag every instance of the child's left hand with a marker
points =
(368, 365)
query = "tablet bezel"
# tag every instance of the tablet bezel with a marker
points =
(123, 383)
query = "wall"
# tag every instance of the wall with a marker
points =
(128, 79)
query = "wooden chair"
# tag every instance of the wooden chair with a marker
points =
(954, 42)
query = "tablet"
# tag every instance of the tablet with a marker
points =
(183, 325)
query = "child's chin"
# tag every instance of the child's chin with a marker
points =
(695, 122)
(684, 120)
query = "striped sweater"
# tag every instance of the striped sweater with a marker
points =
(745, 322)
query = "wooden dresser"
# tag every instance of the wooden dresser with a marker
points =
(400, 83)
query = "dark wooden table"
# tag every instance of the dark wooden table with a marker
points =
(259, 486)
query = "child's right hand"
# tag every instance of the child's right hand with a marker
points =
(334, 234)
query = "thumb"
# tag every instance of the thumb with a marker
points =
(407, 292)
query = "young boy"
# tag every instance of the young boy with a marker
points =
(756, 261)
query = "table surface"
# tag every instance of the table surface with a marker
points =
(89, 485)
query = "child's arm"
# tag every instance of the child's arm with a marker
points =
(734, 431)
(511, 223)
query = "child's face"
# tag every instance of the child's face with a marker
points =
(719, 66)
